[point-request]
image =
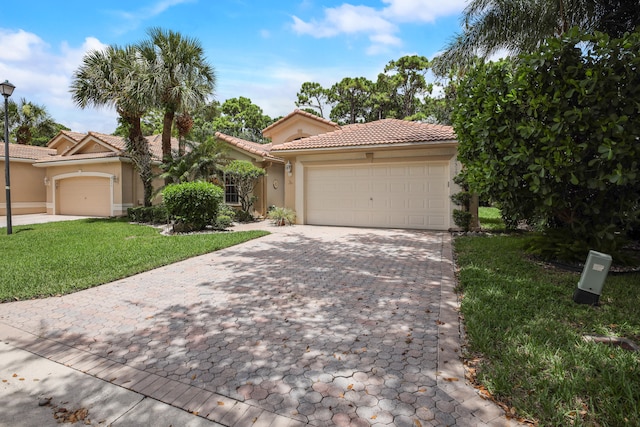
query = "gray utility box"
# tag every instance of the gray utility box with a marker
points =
(592, 279)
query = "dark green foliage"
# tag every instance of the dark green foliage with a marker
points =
(194, 205)
(462, 219)
(244, 176)
(149, 214)
(226, 215)
(555, 140)
(462, 198)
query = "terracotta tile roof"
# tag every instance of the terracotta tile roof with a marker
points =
(118, 143)
(76, 136)
(31, 152)
(63, 158)
(301, 113)
(248, 146)
(380, 132)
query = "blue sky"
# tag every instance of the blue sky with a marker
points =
(263, 50)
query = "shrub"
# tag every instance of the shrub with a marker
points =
(553, 136)
(149, 214)
(225, 217)
(244, 176)
(282, 216)
(193, 205)
(462, 219)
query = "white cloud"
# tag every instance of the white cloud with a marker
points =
(421, 10)
(349, 19)
(379, 24)
(43, 76)
(20, 45)
(133, 19)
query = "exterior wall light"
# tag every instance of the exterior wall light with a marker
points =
(288, 167)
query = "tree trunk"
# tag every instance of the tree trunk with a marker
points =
(138, 148)
(167, 123)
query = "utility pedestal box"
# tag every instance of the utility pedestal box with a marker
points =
(592, 279)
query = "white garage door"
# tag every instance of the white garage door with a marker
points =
(88, 196)
(412, 195)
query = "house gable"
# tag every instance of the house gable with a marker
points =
(296, 125)
(64, 141)
(96, 143)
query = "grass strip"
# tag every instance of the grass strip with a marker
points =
(527, 333)
(58, 258)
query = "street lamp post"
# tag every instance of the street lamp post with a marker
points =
(6, 89)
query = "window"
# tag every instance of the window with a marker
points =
(230, 192)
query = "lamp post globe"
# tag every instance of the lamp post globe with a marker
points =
(6, 89)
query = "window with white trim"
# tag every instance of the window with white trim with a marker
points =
(230, 192)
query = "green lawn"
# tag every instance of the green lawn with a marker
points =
(490, 219)
(525, 329)
(62, 257)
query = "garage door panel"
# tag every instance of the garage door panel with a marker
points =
(88, 196)
(395, 195)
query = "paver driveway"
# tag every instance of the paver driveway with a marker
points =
(323, 325)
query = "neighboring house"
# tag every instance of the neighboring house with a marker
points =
(387, 173)
(91, 174)
(28, 193)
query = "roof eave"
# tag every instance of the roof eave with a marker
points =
(71, 161)
(443, 143)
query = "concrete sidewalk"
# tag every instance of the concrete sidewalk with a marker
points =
(38, 392)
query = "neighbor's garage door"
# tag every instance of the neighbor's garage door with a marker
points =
(412, 195)
(88, 196)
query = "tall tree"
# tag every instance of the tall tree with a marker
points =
(521, 26)
(351, 97)
(408, 83)
(181, 77)
(118, 77)
(243, 119)
(312, 95)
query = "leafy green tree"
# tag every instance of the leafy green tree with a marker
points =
(243, 119)
(30, 123)
(313, 97)
(408, 84)
(555, 139)
(202, 161)
(182, 80)
(244, 176)
(351, 100)
(118, 77)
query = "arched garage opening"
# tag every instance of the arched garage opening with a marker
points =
(83, 193)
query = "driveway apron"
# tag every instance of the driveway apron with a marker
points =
(319, 325)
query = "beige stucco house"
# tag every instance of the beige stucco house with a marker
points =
(91, 174)
(388, 173)
(28, 193)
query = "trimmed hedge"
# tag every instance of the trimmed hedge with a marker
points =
(149, 214)
(194, 205)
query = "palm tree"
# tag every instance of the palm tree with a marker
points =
(522, 25)
(182, 78)
(28, 120)
(202, 161)
(119, 77)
